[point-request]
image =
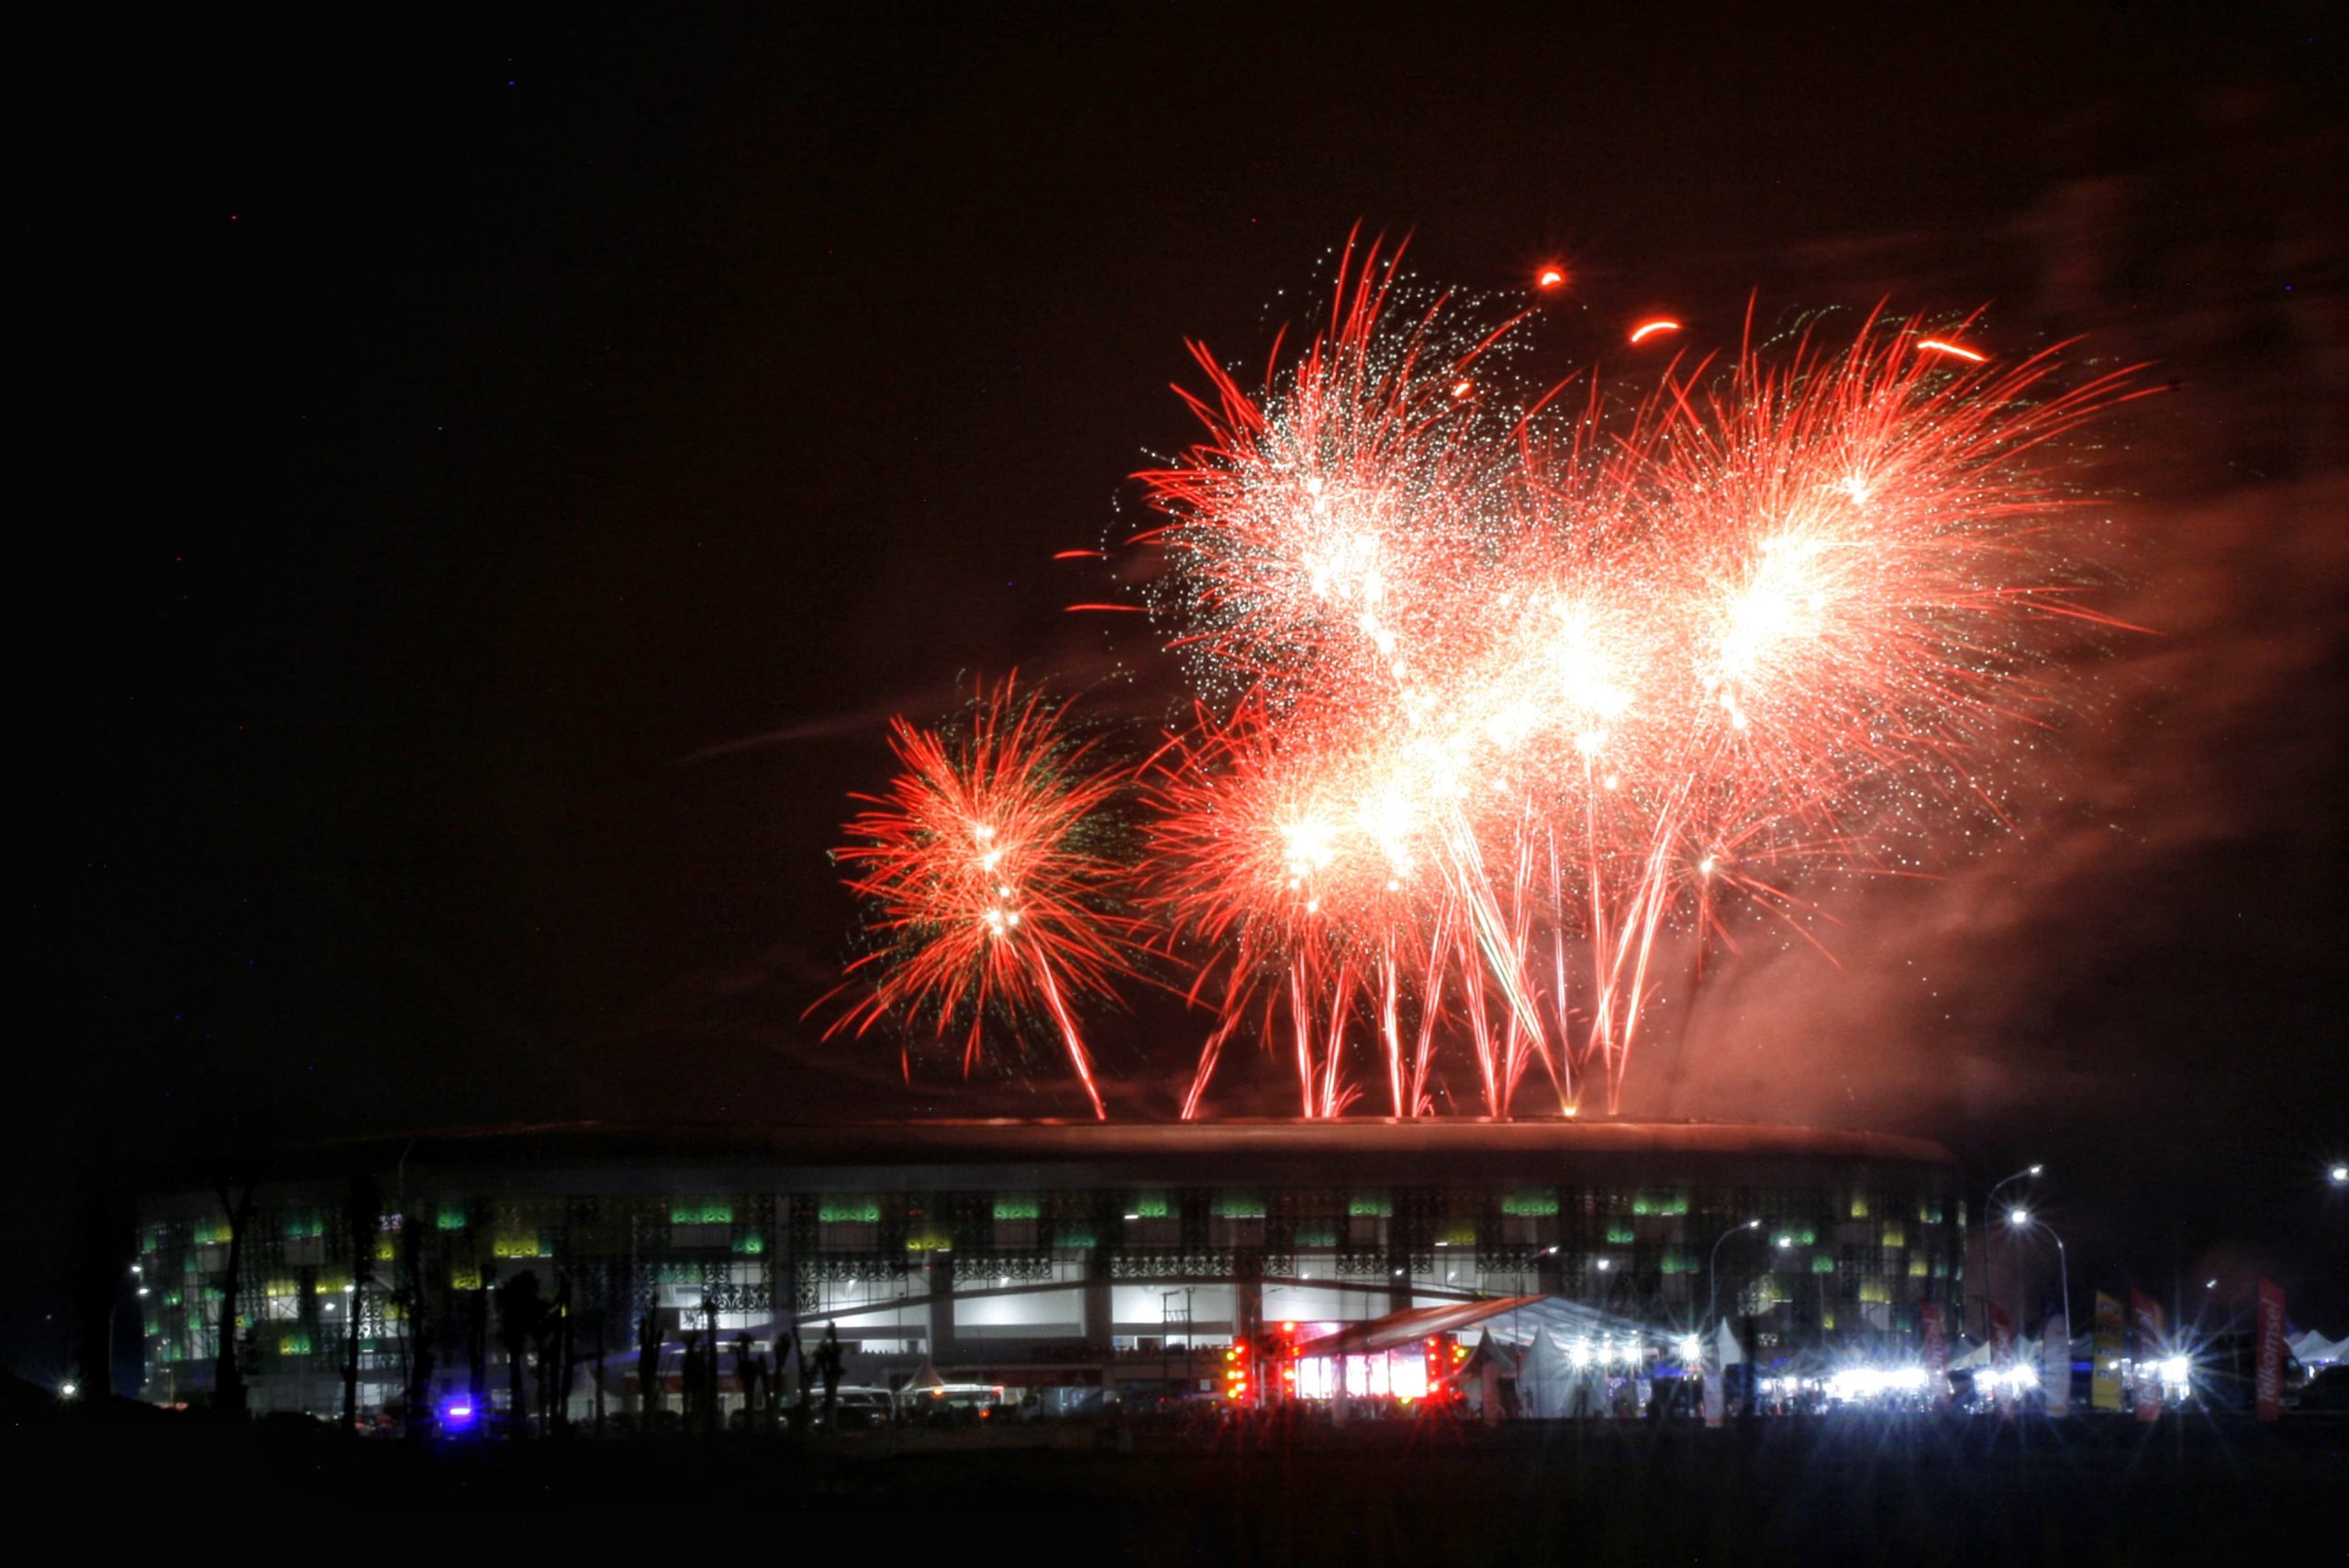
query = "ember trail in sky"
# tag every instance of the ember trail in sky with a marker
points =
(1495, 686)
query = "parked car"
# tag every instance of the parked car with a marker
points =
(858, 1409)
(950, 1405)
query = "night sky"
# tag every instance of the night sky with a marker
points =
(504, 476)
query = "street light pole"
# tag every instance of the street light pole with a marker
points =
(2023, 1219)
(1989, 1259)
(1712, 1279)
(105, 1369)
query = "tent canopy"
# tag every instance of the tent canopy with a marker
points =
(1413, 1323)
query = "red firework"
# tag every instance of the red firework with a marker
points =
(1513, 690)
(989, 887)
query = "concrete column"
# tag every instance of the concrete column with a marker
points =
(942, 1348)
(1096, 1309)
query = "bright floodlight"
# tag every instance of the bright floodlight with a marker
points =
(2178, 1370)
(1691, 1347)
(67, 1390)
(1756, 1225)
(2018, 1217)
(1785, 1242)
(2036, 1169)
(2341, 1175)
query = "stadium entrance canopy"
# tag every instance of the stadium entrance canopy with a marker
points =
(1511, 1319)
(1411, 1325)
(1394, 1355)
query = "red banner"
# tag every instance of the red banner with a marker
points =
(2145, 1318)
(2271, 1350)
(2002, 1356)
(1934, 1320)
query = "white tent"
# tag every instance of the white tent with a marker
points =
(1731, 1352)
(2026, 1354)
(2314, 1350)
(1542, 1378)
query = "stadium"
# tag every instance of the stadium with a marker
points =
(1065, 1263)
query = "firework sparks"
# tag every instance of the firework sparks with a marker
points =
(987, 890)
(1507, 692)
(1493, 695)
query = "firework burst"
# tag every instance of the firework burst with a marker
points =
(1496, 693)
(1505, 690)
(989, 882)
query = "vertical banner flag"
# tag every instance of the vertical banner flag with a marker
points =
(1716, 1396)
(1936, 1326)
(2055, 1364)
(2002, 1355)
(2111, 1345)
(2146, 1319)
(2271, 1350)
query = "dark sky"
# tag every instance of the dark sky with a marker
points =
(503, 474)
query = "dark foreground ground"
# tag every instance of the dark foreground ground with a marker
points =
(1911, 1493)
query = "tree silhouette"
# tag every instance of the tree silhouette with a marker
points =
(519, 1313)
(416, 1328)
(228, 1378)
(362, 1209)
(648, 1365)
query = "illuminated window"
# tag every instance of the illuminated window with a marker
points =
(1859, 1205)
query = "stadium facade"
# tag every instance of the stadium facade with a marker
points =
(1038, 1256)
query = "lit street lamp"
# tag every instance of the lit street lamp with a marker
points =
(1990, 1207)
(2022, 1219)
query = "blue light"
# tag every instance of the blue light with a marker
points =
(456, 1413)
